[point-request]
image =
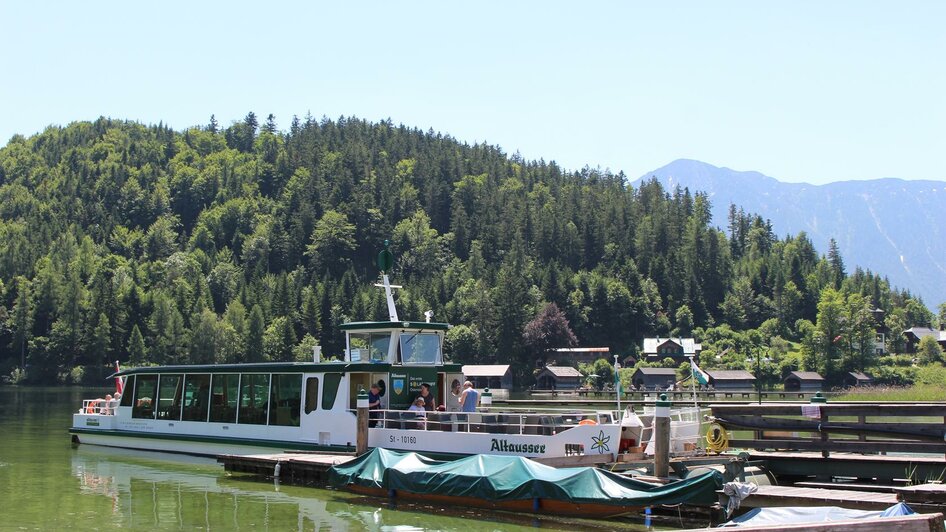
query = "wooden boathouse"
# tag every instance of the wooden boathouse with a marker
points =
(803, 381)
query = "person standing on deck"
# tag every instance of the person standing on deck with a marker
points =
(469, 398)
(374, 403)
(430, 404)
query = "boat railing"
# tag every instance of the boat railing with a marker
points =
(98, 407)
(485, 422)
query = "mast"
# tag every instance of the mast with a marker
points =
(385, 262)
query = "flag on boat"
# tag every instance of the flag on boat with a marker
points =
(119, 384)
(701, 376)
(617, 379)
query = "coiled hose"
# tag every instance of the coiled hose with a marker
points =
(717, 440)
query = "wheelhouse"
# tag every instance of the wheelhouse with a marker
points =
(401, 356)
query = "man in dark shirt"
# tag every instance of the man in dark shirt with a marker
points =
(374, 403)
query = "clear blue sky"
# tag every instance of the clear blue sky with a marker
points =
(802, 91)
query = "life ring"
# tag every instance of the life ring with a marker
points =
(587, 422)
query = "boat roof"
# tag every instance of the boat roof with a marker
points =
(414, 325)
(277, 367)
(485, 370)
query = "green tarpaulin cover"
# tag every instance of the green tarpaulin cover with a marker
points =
(497, 478)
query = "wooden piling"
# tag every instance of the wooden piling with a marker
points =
(662, 438)
(361, 441)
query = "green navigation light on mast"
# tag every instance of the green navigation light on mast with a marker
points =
(385, 259)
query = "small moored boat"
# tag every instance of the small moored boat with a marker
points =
(514, 483)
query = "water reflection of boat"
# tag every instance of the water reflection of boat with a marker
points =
(148, 490)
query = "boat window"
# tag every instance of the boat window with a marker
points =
(285, 400)
(379, 347)
(365, 347)
(128, 391)
(223, 397)
(420, 348)
(311, 394)
(254, 396)
(331, 390)
(169, 397)
(196, 397)
(146, 389)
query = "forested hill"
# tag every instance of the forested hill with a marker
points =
(248, 243)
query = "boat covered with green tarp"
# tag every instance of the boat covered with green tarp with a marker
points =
(514, 483)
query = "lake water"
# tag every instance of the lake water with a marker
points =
(47, 484)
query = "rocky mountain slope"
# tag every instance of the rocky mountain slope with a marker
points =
(891, 226)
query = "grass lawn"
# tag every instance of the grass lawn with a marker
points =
(917, 392)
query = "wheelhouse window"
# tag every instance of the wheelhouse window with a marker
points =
(285, 400)
(254, 396)
(368, 347)
(169, 397)
(196, 397)
(146, 390)
(420, 348)
(224, 397)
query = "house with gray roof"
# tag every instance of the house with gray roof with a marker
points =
(653, 378)
(913, 335)
(558, 378)
(857, 378)
(492, 376)
(678, 349)
(731, 379)
(803, 381)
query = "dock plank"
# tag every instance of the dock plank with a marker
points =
(878, 488)
(935, 493)
(769, 496)
(887, 469)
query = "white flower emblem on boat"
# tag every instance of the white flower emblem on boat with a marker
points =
(601, 443)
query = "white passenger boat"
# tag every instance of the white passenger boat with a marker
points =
(254, 408)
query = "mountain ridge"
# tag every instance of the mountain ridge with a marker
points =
(874, 221)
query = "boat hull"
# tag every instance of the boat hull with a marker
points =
(536, 506)
(198, 446)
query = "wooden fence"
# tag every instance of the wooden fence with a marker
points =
(826, 427)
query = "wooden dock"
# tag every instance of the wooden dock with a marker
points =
(293, 467)
(773, 496)
(884, 468)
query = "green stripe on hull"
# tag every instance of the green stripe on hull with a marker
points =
(275, 444)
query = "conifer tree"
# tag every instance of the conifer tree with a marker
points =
(137, 352)
(256, 328)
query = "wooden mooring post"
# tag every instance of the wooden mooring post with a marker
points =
(361, 441)
(662, 437)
